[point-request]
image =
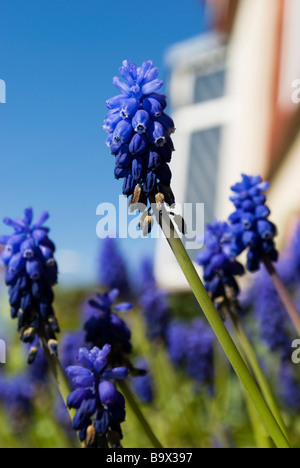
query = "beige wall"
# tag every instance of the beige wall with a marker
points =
(251, 61)
(284, 193)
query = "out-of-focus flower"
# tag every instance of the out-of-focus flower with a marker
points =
(147, 278)
(271, 316)
(176, 337)
(31, 272)
(100, 407)
(69, 345)
(16, 395)
(112, 268)
(295, 253)
(219, 268)
(38, 371)
(103, 325)
(154, 304)
(139, 133)
(289, 385)
(156, 312)
(190, 346)
(250, 226)
(143, 385)
(199, 352)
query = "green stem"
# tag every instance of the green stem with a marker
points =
(258, 373)
(261, 437)
(57, 370)
(259, 430)
(220, 330)
(131, 400)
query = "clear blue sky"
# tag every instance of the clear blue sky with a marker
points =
(58, 58)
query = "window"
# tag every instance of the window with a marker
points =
(209, 86)
(203, 169)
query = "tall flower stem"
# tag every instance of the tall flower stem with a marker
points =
(260, 433)
(250, 357)
(261, 436)
(131, 400)
(284, 295)
(56, 369)
(219, 328)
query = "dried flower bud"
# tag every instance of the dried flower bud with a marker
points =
(90, 436)
(146, 225)
(28, 335)
(137, 200)
(54, 325)
(160, 200)
(32, 355)
(53, 347)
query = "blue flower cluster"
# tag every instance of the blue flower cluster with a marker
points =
(190, 346)
(219, 268)
(100, 407)
(295, 253)
(156, 312)
(69, 345)
(38, 371)
(250, 227)
(112, 268)
(154, 304)
(289, 385)
(105, 326)
(16, 395)
(271, 316)
(143, 384)
(31, 272)
(139, 133)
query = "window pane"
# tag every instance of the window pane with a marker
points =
(211, 86)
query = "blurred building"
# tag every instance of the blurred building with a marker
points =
(235, 98)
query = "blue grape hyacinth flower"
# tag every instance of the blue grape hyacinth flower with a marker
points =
(289, 385)
(139, 133)
(156, 312)
(271, 316)
(250, 227)
(190, 346)
(100, 407)
(143, 385)
(219, 268)
(154, 303)
(112, 268)
(295, 253)
(31, 273)
(69, 345)
(17, 396)
(103, 325)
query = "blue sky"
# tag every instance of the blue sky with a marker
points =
(58, 58)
